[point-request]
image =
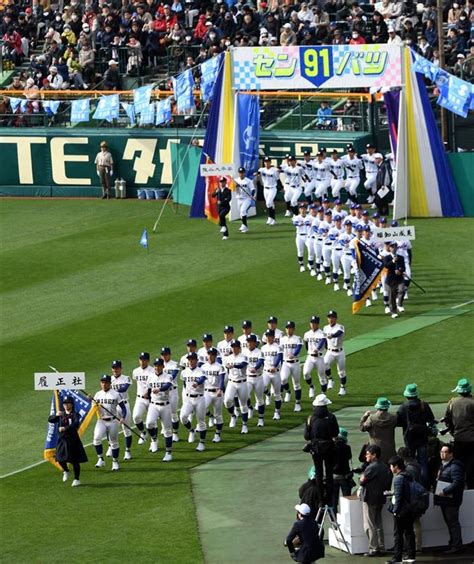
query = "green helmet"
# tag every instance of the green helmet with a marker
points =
(383, 404)
(463, 387)
(411, 391)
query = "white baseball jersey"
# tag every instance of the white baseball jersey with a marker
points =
(334, 234)
(214, 373)
(337, 168)
(308, 168)
(321, 171)
(345, 240)
(109, 400)
(224, 348)
(202, 355)
(170, 368)
(370, 242)
(243, 342)
(278, 335)
(289, 346)
(334, 342)
(253, 358)
(270, 355)
(324, 225)
(313, 340)
(122, 380)
(369, 163)
(141, 375)
(190, 377)
(302, 224)
(352, 166)
(155, 382)
(245, 188)
(235, 373)
(342, 213)
(269, 176)
(294, 175)
(404, 246)
(183, 361)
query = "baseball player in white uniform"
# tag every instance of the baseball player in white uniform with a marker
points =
(171, 368)
(272, 359)
(336, 168)
(315, 343)
(245, 191)
(269, 177)
(336, 253)
(291, 346)
(369, 242)
(307, 165)
(194, 401)
(140, 375)
(272, 323)
(328, 240)
(247, 330)
(347, 256)
(353, 165)
(334, 333)
(302, 223)
(236, 366)
(322, 175)
(214, 390)
(121, 383)
(286, 194)
(371, 169)
(191, 346)
(390, 157)
(159, 387)
(295, 176)
(223, 347)
(311, 239)
(107, 426)
(338, 208)
(318, 223)
(254, 376)
(206, 345)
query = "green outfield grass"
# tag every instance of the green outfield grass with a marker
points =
(79, 291)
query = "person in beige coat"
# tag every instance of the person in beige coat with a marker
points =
(381, 428)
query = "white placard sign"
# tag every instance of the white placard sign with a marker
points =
(217, 170)
(60, 380)
(394, 233)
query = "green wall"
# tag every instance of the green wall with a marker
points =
(462, 166)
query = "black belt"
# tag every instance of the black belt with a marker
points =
(353, 177)
(348, 253)
(253, 375)
(160, 403)
(194, 395)
(338, 248)
(143, 397)
(335, 350)
(107, 418)
(213, 390)
(316, 354)
(328, 244)
(237, 381)
(292, 360)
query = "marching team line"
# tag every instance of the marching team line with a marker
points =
(360, 343)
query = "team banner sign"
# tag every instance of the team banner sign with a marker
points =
(326, 66)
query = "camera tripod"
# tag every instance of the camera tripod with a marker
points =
(328, 512)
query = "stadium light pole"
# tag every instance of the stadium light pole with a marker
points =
(439, 6)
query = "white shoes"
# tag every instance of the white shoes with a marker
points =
(269, 220)
(260, 423)
(342, 392)
(387, 309)
(336, 287)
(370, 199)
(75, 483)
(244, 430)
(191, 437)
(100, 463)
(401, 309)
(287, 397)
(127, 455)
(345, 286)
(168, 457)
(233, 421)
(311, 393)
(65, 476)
(109, 452)
(243, 229)
(312, 272)
(276, 416)
(328, 281)
(374, 295)
(349, 292)
(394, 315)
(216, 439)
(153, 446)
(175, 438)
(142, 439)
(297, 407)
(272, 222)
(201, 446)
(210, 423)
(319, 276)
(368, 303)
(250, 412)
(222, 229)
(268, 400)
(288, 213)
(115, 465)
(302, 268)
(330, 383)
(225, 238)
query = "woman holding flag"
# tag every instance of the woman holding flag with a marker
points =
(69, 447)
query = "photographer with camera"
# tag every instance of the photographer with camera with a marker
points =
(321, 430)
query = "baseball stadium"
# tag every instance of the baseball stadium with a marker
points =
(237, 281)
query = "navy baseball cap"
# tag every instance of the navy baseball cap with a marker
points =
(207, 337)
(165, 350)
(252, 337)
(350, 148)
(106, 378)
(292, 158)
(383, 220)
(192, 355)
(116, 364)
(68, 399)
(359, 227)
(228, 329)
(314, 319)
(358, 207)
(246, 324)
(303, 205)
(335, 152)
(328, 211)
(337, 202)
(394, 223)
(322, 149)
(235, 343)
(272, 319)
(307, 153)
(376, 215)
(290, 324)
(267, 159)
(319, 154)
(348, 222)
(241, 169)
(393, 244)
(326, 201)
(365, 212)
(212, 350)
(144, 356)
(370, 146)
(313, 207)
(337, 218)
(332, 313)
(269, 333)
(366, 227)
(320, 209)
(159, 362)
(191, 342)
(353, 206)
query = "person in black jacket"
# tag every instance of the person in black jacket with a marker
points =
(343, 475)
(384, 192)
(395, 267)
(69, 447)
(224, 197)
(449, 498)
(321, 430)
(403, 518)
(306, 530)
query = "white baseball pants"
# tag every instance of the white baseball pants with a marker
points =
(256, 384)
(197, 406)
(339, 358)
(315, 363)
(240, 390)
(163, 412)
(292, 369)
(216, 402)
(107, 429)
(139, 410)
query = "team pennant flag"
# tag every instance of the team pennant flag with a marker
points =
(210, 203)
(144, 239)
(108, 108)
(80, 110)
(82, 404)
(367, 275)
(183, 86)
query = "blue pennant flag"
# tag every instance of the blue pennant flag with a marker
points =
(15, 103)
(209, 70)
(130, 111)
(248, 108)
(163, 111)
(141, 98)
(80, 110)
(51, 106)
(147, 115)
(367, 274)
(144, 239)
(455, 96)
(23, 105)
(183, 86)
(82, 405)
(107, 108)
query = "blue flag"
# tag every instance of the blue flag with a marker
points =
(144, 239)
(84, 407)
(367, 274)
(141, 98)
(183, 86)
(248, 108)
(51, 106)
(107, 108)
(130, 111)
(15, 103)
(147, 115)
(80, 110)
(455, 96)
(163, 111)
(209, 70)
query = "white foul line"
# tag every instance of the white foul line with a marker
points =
(460, 305)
